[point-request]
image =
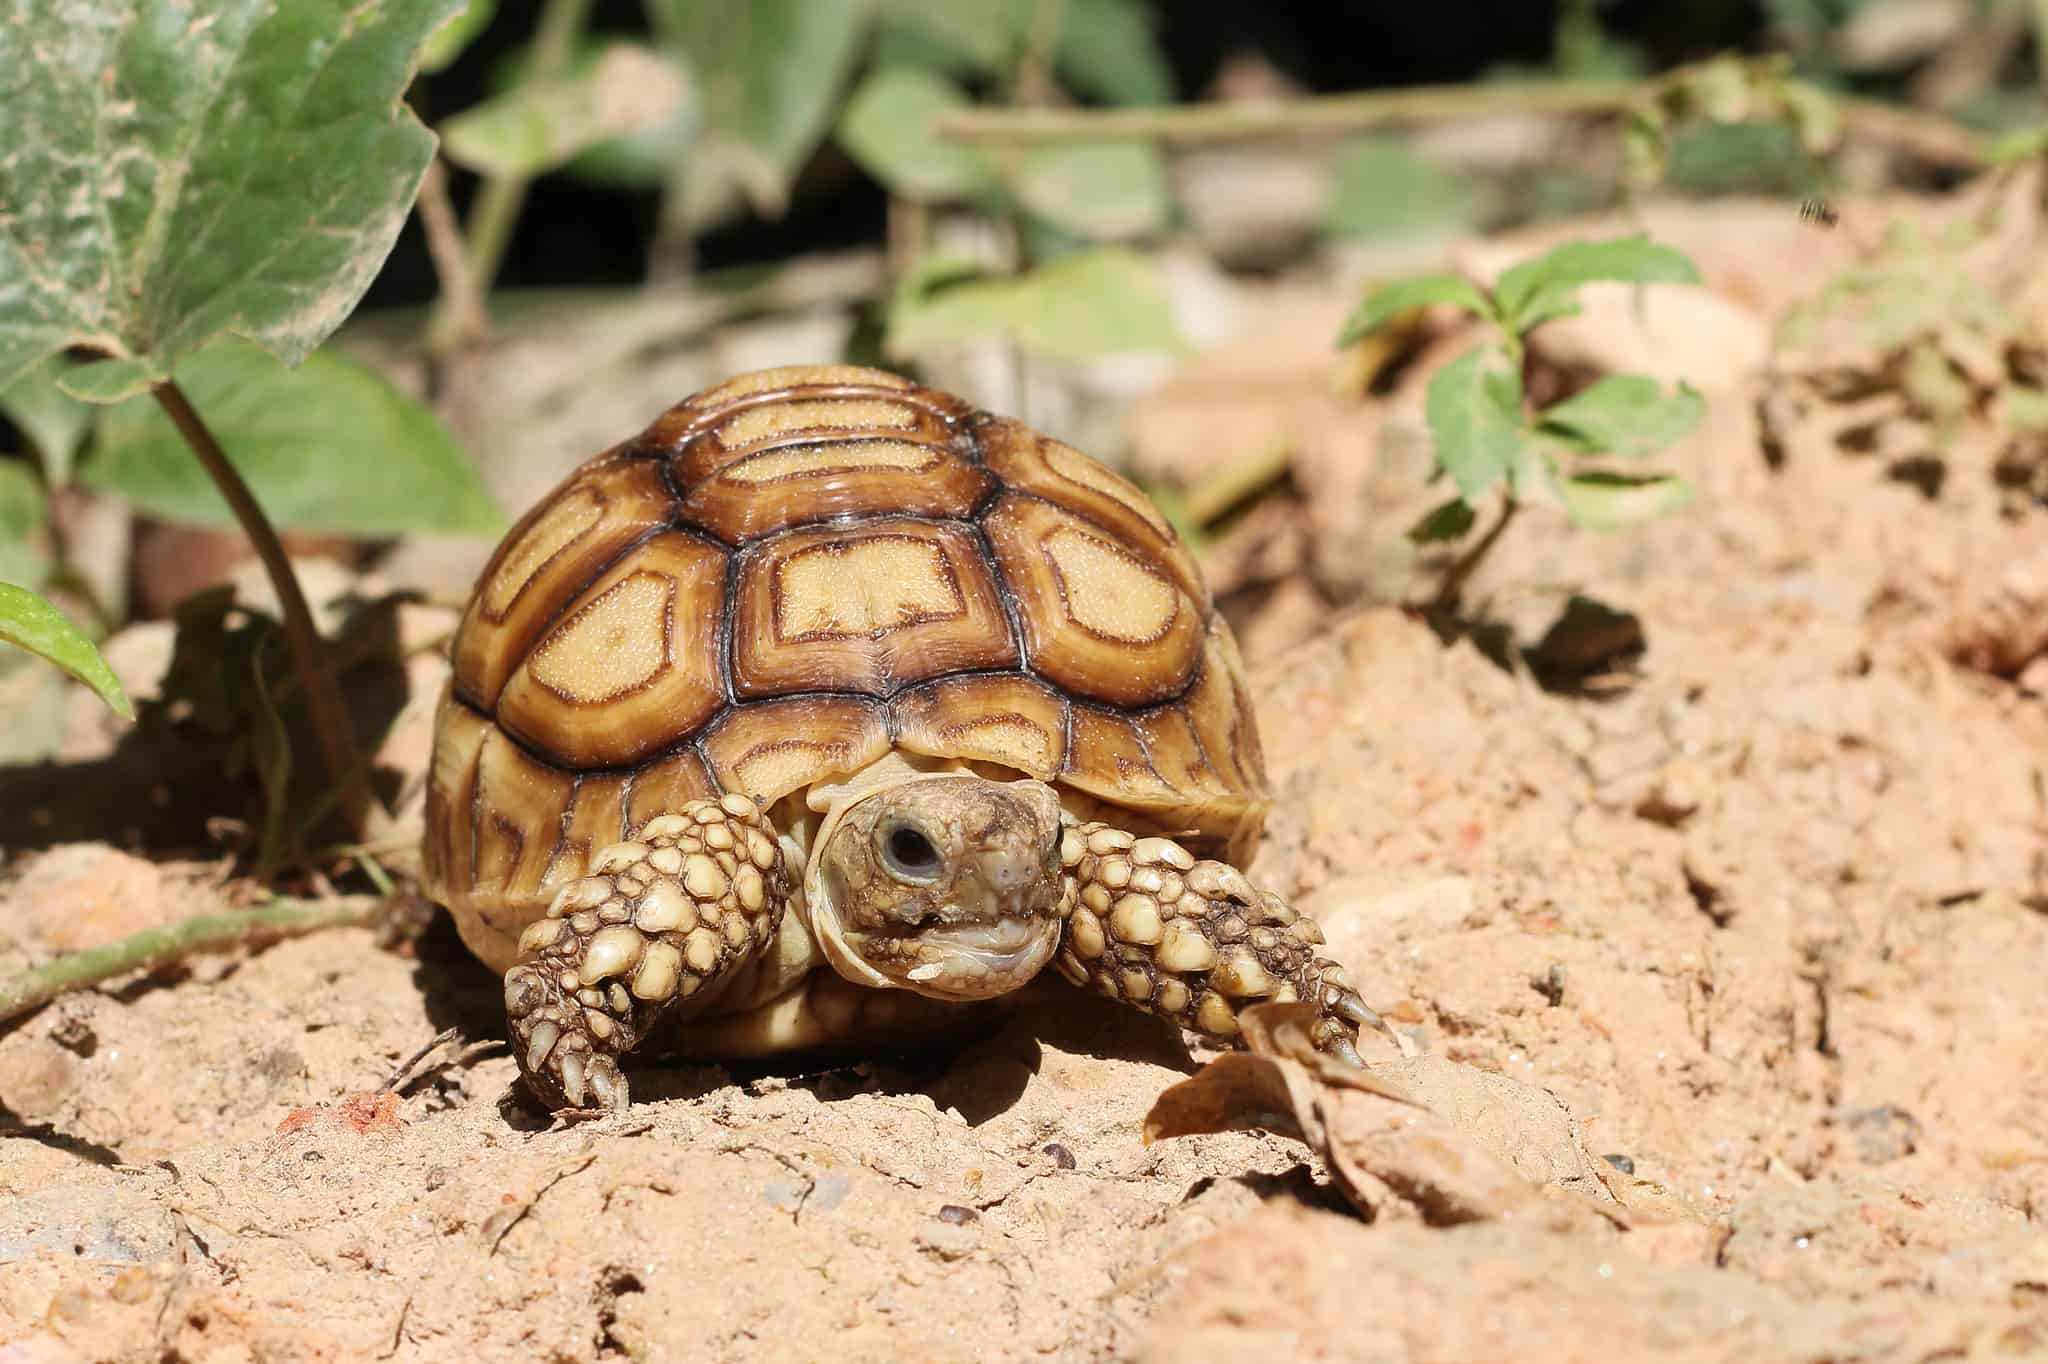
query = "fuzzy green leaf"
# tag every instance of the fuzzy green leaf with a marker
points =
(458, 33)
(1602, 501)
(646, 159)
(769, 73)
(1417, 291)
(1100, 191)
(22, 511)
(1385, 192)
(982, 39)
(177, 173)
(109, 381)
(1623, 414)
(1475, 417)
(33, 624)
(1933, 383)
(2023, 408)
(2018, 144)
(328, 446)
(1108, 49)
(1445, 521)
(1538, 290)
(886, 127)
(533, 128)
(1102, 301)
(53, 421)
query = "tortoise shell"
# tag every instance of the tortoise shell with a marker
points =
(790, 573)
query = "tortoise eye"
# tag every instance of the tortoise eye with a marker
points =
(909, 855)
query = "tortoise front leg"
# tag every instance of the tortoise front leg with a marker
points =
(1193, 940)
(699, 893)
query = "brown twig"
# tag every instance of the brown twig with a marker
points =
(467, 311)
(495, 211)
(1031, 80)
(323, 696)
(1935, 138)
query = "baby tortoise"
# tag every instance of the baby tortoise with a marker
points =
(826, 712)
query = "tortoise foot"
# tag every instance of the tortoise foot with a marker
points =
(657, 921)
(1195, 941)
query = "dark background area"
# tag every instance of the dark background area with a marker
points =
(573, 233)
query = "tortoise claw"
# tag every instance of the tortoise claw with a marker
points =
(607, 1085)
(1350, 1007)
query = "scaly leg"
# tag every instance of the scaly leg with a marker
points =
(1149, 924)
(696, 895)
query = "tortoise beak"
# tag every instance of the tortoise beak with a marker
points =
(982, 959)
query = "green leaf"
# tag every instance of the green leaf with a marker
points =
(1602, 501)
(1540, 289)
(886, 127)
(1475, 416)
(1445, 521)
(1101, 301)
(175, 173)
(22, 512)
(2019, 144)
(1108, 49)
(1932, 382)
(1102, 191)
(33, 699)
(1645, 147)
(1417, 291)
(1815, 114)
(647, 159)
(53, 420)
(2023, 408)
(1744, 158)
(1623, 414)
(30, 622)
(459, 32)
(769, 73)
(982, 39)
(328, 446)
(533, 128)
(1384, 192)
(109, 381)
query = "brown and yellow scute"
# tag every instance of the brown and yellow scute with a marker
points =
(790, 573)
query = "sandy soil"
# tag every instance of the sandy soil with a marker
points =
(1721, 960)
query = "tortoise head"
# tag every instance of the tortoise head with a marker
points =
(947, 884)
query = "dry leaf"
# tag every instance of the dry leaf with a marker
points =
(1444, 1143)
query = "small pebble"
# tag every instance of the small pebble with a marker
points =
(1620, 1162)
(1061, 1156)
(954, 1214)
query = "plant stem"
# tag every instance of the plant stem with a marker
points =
(1450, 595)
(1031, 78)
(323, 695)
(2041, 45)
(496, 210)
(452, 271)
(147, 950)
(1937, 139)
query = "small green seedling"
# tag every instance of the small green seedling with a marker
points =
(1488, 439)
